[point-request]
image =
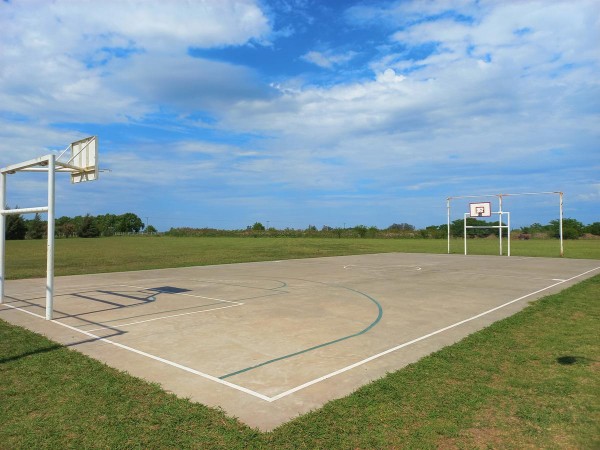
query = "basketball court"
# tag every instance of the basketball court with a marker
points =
(269, 341)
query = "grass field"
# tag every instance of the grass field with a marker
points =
(27, 259)
(529, 381)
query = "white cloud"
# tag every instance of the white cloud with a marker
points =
(187, 83)
(494, 100)
(86, 25)
(328, 59)
(389, 76)
(508, 97)
(23, 140)
(60, 59)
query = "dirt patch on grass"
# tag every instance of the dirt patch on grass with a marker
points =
(474, 438)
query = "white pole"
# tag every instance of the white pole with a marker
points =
(560, 226)
(448, 208)
(500, 223)
(2, 234)
(508, 225)
(465, 232)
(50, 251)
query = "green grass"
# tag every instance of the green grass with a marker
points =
(26, 259)
(529, 381)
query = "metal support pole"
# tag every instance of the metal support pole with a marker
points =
(2, 234)
(50, 250)
(448, 208)
(465, 232)
(560, 226)
(508, 228)
(500, 221)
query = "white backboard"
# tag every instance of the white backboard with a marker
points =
(84, 154)
(482, 209)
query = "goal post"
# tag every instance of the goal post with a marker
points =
(82, 166)
(479, 209)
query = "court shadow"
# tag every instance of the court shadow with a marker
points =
(569, 360)
(48, 349)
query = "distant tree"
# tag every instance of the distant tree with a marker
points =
(372, 231)
(107, 224)
(129, 223)
(593, 228)
(457, 228)
(150, 229)
(16, 228)
(67, 229)
(311, 228)
(326, 228)
(572, 229)
(361, 230)
(77, 221)
(401, 227)
(435, 231)
(258, 226)
(537, 228)
(88, 228)
(36, 228)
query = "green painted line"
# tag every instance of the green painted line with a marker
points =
(283, 284)
(335, 341)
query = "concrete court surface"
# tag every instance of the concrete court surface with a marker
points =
(269, 341)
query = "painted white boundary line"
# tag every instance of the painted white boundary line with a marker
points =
(393, 266)
(406, 344)
(317, 380)
(154, 357)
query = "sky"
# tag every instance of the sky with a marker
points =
(223, 113)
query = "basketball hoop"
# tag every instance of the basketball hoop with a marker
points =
(483, 209)
(82, 166)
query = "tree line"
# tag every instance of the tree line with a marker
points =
(111, 224)
(88, 226)
(572, 229)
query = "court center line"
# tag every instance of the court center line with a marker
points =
(223, 282)
(406, 344)
(154, 357)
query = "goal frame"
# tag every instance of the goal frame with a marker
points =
(50, 164)
(500, 212)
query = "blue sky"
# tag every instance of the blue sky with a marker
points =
(297, 112)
